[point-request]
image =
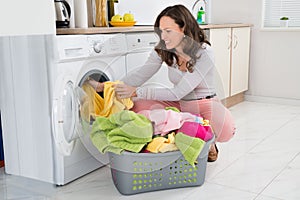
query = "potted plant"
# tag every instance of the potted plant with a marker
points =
(284, 21)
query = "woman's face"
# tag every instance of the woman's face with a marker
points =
(171, 33)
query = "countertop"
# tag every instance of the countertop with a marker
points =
(100, 30)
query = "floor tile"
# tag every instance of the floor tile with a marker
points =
(261, 162)
(286, 184)
(216, 192)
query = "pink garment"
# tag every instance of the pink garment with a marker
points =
(195, 129)
(168, 120)
(212, 109)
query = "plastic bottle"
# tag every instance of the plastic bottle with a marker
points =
(206, 8)
(200, 16)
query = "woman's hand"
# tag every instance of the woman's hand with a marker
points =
(124, 91)
(99, 87)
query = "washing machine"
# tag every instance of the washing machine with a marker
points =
(139, 47)
(45, 137)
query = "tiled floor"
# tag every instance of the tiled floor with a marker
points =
(262, 162)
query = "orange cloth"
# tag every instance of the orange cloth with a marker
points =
(107, 105)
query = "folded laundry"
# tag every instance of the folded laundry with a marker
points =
(125, 130)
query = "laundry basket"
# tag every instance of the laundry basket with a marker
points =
(134, 173)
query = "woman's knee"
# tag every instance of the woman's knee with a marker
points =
(226, 133)
(226, 129)
(222, 123)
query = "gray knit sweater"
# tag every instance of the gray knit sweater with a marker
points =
(186, 85)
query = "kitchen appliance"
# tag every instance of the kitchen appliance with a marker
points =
(63, 13)
(139, 47)
(44, 135)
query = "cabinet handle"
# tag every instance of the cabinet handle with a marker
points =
(235, 41)
(229, 42)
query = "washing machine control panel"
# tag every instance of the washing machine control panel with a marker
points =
(108, 44)
(98, 46)
(86, 46)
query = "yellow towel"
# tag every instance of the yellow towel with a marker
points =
(162, 144)
(155, 144)
(108, 105)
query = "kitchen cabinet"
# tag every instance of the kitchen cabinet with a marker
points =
(221, 42)
(240, 50)
(232, 48)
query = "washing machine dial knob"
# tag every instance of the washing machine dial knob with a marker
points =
(97, 47)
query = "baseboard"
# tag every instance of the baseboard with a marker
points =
(274, 100)
(233, 100)
(238, 98)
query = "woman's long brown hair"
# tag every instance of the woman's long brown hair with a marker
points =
(193, 39)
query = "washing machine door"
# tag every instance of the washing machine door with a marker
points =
(64, 112)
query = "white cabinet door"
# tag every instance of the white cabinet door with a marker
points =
(231, 47)
(240, 60)
(220, 40)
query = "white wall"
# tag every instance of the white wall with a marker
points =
(27, 17)
(274, 58)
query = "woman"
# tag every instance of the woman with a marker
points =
(184, 48)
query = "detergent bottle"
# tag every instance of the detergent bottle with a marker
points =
(201, 16)
(201, 11)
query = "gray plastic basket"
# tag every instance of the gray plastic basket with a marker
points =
(134, 173)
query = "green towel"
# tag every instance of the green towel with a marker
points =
(125, 130)
(100, 141)
(190, 147)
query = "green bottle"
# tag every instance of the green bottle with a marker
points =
(200, 16)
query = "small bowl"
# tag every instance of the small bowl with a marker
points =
(122, 24)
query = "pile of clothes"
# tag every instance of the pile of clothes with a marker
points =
(152, 131)
(116, 129)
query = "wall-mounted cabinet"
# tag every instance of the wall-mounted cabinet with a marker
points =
(232, 49)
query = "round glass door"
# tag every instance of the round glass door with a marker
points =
(86, 97)
(64, 116)
(68, 112)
